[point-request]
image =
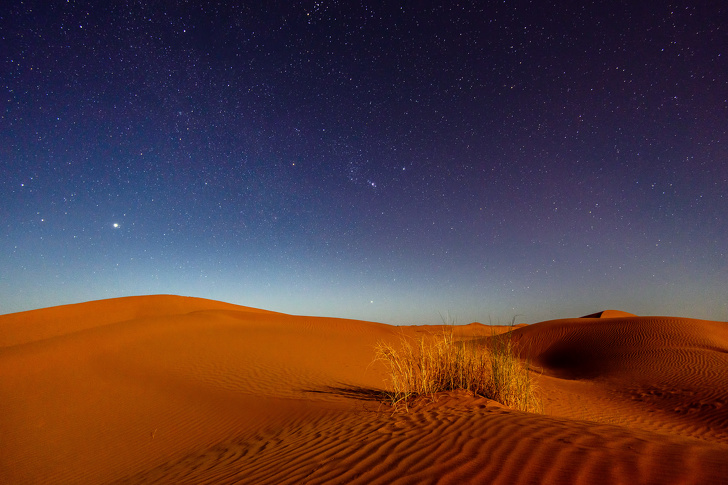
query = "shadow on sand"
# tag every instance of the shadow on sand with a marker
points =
(351, 392)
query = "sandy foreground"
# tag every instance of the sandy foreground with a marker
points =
(168, 389)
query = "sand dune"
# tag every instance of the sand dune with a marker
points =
(610, 314)
(656, 373)
(165, 389)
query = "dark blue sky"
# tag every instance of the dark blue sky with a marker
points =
(368, 160)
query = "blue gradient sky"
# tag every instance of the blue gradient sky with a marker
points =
(369, 161)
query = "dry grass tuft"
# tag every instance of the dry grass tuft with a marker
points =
(511, 382)
(435, 363)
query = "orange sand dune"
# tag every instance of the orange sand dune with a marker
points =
(610, 314)
(656, 373)
(165, 389)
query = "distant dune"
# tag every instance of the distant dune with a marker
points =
(610, 314)
(167, 389)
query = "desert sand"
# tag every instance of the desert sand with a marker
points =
(168, 389)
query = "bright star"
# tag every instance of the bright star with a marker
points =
(116, 225)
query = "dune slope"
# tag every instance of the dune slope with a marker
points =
(657, 373)
(165, 389)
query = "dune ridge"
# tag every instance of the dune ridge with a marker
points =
(166, 389)
(33, 325)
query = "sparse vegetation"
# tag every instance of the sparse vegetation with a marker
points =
(487, 367)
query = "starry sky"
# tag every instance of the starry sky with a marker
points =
(388, 161)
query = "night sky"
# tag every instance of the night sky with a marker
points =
(366, 159)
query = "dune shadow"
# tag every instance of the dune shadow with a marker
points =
(351, 392)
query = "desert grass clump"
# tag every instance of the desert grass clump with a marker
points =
(511, 382)
(433, 363)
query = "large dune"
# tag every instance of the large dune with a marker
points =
(165, 389)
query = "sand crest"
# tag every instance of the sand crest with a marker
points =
(166, 389)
